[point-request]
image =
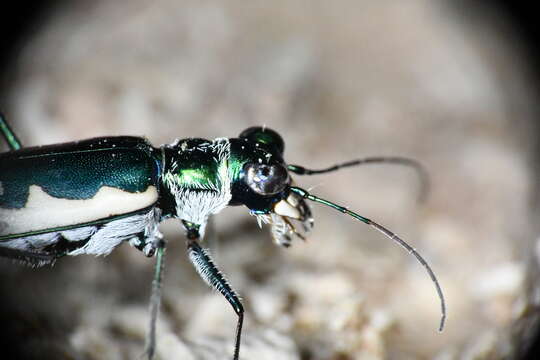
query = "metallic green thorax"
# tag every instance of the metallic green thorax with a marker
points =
(78, 170)
(191, 163)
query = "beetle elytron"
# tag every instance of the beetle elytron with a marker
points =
(101, 192)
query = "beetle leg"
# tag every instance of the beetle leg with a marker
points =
(214, 278)
(9, 135)
(155, 300)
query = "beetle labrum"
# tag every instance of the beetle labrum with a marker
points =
(101, 192)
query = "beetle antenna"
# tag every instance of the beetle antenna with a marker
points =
(8, 134)
(306, 195)
(397, 160)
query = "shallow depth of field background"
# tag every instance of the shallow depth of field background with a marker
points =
(441, 82)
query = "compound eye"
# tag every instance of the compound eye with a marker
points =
(266, 179)
(264, 136)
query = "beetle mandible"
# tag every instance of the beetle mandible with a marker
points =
(101, 192)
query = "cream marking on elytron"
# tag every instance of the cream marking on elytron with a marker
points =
(107, 202)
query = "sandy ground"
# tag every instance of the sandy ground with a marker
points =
(444, 84)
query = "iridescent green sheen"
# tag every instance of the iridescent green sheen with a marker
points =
(192, 165)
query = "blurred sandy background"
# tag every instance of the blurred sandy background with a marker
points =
(440, 82)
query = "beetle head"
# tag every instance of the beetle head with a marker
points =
(262, 182)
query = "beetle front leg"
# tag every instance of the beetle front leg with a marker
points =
(155, 299)
(200, 258)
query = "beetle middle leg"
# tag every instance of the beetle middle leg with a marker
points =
(201, 260)
(155, 298)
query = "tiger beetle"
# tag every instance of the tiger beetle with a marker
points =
(89, 196)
